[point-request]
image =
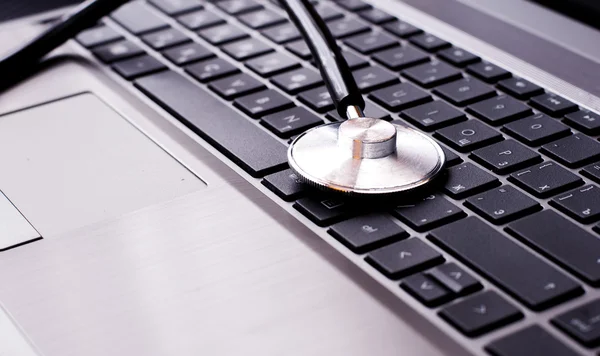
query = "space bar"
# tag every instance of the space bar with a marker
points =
(253, 149)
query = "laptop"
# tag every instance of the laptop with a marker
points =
(147, 207)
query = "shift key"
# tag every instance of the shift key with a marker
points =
(232, 134)
(503, 262)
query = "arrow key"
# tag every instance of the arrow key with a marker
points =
(454, 278)
(426, 290)
(404, 258)
(481, 313)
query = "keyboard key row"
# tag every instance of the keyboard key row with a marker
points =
(440, 284)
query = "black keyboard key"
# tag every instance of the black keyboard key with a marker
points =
(582, 204)
(573, 151)
(506, 156)
(563, 242)
(354, 61)
(426, 290)
(371, 110)
(429, 42)
(371, 42)
(317, 99)
(466, 179)
(520, 88)
(481, 313)
(176, 7)
(429, 213)
(137, 67)
(401, 57)
(300, 49)
(347, 27)
(537, 129)
(499, 110)
(165, 38)
(257, 152)
(235, 86)
(376, 16)
(465, 91)
(188, 53)
(553, 104)
(117, 51)
(404, 258)
(200, 19)
(400, 96)
(285, 184)
(432, 74)
(519, 272)
(402, 29)
(211, 69)
(297, 80)
(246, 49)
(237, 7)
(434, 115)
(323, 211)
(371, 78)
(582, 323)
(501, 205)
(353, 5)
(531, 341)
(137, 18)
(263, 103)
(261, 19)
(288, 123)
(455, 279)
(365, 233)
(452, 158)
(272, 64)
(468, 135)
(328, 12)
(584, 121)
(458, 56)
(592, 171)
(545, 180)
(97, 36)
(221, 34)
(488, 72)
(282, 34)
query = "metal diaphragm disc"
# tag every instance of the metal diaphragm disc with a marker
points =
(317, 158)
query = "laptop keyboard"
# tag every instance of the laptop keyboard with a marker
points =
(527, 163)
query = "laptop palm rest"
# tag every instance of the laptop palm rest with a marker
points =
(76, 161)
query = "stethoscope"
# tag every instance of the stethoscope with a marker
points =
(361, 156)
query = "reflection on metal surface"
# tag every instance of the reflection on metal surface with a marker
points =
(318, 157)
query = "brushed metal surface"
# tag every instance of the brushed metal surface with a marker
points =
(329, 157)
(75, 161)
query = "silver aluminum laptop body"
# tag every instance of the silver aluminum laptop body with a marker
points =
(156, 244)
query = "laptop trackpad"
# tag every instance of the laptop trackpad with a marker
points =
(76, 161)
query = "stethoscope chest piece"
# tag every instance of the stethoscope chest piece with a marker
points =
(364, 156)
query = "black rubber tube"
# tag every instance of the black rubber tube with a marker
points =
(329, 59)
(22, 61)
